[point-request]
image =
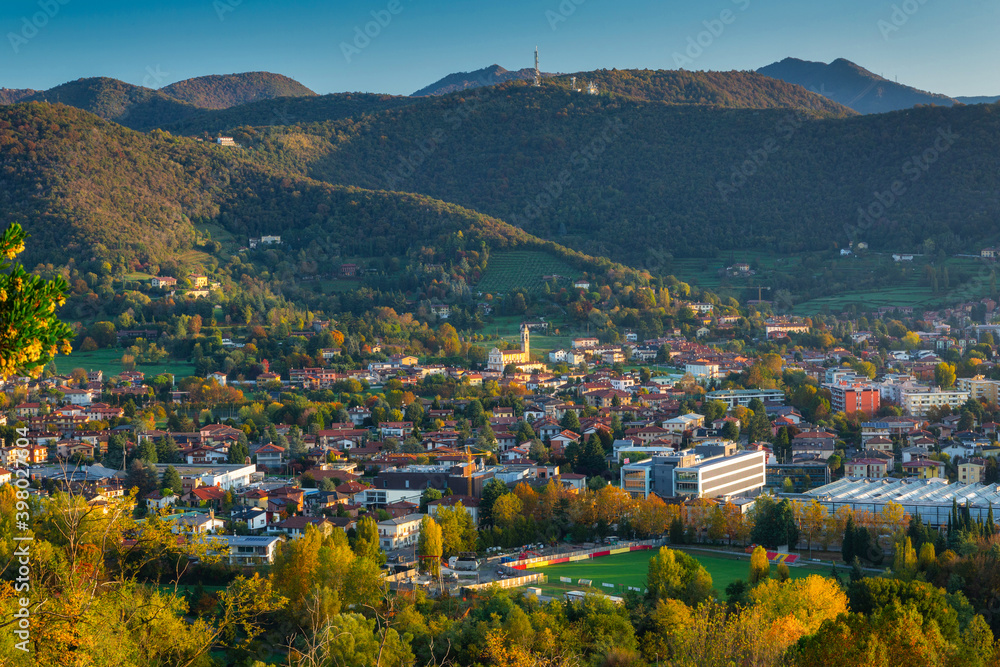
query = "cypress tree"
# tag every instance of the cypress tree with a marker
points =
(990, 524)
(847, 548)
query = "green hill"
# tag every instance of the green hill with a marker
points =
(734, 90)
(15, 95)
(88, 189)
(224, 91)
(132, 106)
(286, 111)
(642, 182)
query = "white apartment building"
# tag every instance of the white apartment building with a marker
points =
(920, 400)
(400, 532)
(703, 370)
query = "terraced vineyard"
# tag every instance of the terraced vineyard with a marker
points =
(523, 269)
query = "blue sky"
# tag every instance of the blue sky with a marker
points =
(945, 46)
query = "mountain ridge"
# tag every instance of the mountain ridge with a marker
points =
(487, 76)
(222, 91)
(141, 108)
(852, 85)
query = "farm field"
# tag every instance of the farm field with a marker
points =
(521, 269)
(624, 570)
(109, 361)
(969, 279)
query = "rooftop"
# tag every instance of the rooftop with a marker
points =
(907, 492)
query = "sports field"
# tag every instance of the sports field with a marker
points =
(625, 570)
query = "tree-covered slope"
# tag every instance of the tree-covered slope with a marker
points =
(15, 95)
(85, 188)
(487, 76)
(132, 106)
(736, 90)
(229, 90)
(287, 111)
(593, 171)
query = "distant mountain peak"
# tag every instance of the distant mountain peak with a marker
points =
(487, 76)
(222, 91)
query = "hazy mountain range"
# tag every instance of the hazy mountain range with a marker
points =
(857, 88)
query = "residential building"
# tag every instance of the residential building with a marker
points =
(271, 456)
(735, 397)
(248, 550)
(922, 468)
(854, 397)
(398, 430)
(295, 526)
(471, 506)
(918, 401)
(971, 472)
(254, 517)
(400, 532)
(817, 443)
(164, 282)
(864, 467)
(703, 369)
(980, 388)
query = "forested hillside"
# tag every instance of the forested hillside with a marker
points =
(132, 106)
(487, 76)
(85, 188)
(687, 180)
(735, 90)
(229, 90)
(142, 108)
(286, 111)
(15, 95)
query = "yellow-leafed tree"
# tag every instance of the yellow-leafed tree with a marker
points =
(30, 333)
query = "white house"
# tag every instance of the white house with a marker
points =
(198, 524)
(156, 501)
(400, 532)
(395, 429)
(254, 517)
(78, 396)
(251, 549)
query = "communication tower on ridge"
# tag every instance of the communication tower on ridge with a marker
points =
(538, 75)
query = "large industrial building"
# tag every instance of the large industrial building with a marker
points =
(930, 499)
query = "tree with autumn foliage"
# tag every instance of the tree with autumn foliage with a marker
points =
(30, 333)
(760, 566)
